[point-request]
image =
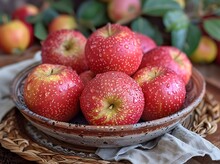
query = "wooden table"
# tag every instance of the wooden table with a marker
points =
(211, 73)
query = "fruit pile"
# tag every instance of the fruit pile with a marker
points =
(115, 77)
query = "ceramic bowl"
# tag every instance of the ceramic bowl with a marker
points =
(80, 134)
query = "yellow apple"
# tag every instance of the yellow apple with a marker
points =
(15, 37)
(206, 51)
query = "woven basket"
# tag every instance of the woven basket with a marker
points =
(206, 116)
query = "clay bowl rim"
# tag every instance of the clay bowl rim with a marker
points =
(66, 125)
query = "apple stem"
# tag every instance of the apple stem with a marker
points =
(111, 106)
(109, 29)
(51, 72)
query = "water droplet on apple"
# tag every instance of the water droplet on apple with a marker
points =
(126, 46)
(118, 49)
(168, 85)
(135, 100)
(92, 90)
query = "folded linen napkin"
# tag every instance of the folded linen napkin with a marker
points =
(178, 146)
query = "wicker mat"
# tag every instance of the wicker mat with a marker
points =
(206, 116)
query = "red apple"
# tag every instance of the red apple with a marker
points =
(62, 22)
(217, 60)
(22, 13)
(65, 47)
(53, 91)
(123, 10)
(147, 43)
(171, 57)
(113, 48)
(86, 76)
(164, 91)
(112, 98)
(15, 37)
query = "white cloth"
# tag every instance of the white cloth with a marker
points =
(176, 147)
(7, 74)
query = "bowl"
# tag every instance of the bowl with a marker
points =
(81, 135)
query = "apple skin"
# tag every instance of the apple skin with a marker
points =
(123, 10)
(171, 57)
(164, 91)
(87, 76)
(112, 98)
(147, 43)
(65, 47)
(62, 22)
(206, 51)
(113, 48)
(217, 60)
(15, 37)
(53, 91)
(22, 13)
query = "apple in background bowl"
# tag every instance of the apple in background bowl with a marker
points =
(53, 91)
(15, 37)
(62, 22)
(112, 98)
(164, 91)
(123, 10)
(113, 48)
(65, 47)
(171, 57)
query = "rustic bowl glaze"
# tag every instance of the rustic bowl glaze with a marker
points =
(80, 134)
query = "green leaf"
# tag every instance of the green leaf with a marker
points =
(143, 26)
(4, 18)
(48, 15)
(192, 39)
(65, 6)
(178, 38)
(159, 7)
(175, 20)
(35, 18)
(212, 27)
(92, 13)
(40, 31)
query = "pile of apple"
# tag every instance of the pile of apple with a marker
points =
(115, 77)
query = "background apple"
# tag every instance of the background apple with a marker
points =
(53, 91)
(62, 22)
(65, 47)
(22, 13)
(206, 51)
(147, 43)
(123, 10)
(164, 91)
(15, 37)
(112, 98)
(171, 57)
(113, 48)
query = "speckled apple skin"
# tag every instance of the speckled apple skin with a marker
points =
(112, 88)
(171, 57)
(53, 96)
(118, 52)
(164, 93)
(53, 49)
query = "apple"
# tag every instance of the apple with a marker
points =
(123, 10)
(113, 48)
(147, 43)
(53, 91)
(86, 76)
(15, 37)
(171, 57)
(206, 51)
(65, 47)
(112, 98)
(62, 22)
(164, 91)
(22, 13)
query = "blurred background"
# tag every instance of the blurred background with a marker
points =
(193, 26)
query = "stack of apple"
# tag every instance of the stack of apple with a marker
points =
(115, 77)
